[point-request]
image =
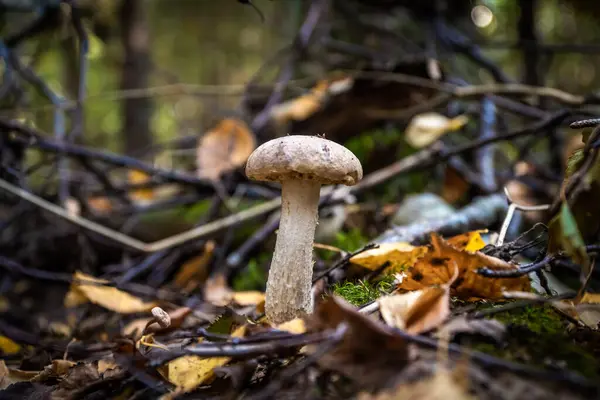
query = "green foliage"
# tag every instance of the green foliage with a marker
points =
(363, 292)
(362, 145)
(536, 319)
(253, 277)
(351, 240)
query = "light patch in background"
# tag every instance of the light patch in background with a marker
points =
(482, 16)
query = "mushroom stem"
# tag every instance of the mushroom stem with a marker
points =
(288, 293)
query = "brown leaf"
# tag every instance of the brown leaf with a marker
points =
(486, 327)
(437, 267)
(217, 292)
(140, 196)
(194, 272)
(454, 186)
(225, 147)
(370, 352)
(398, 255)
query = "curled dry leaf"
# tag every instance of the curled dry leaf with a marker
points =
(108, 297)
(189, 372)
(224, 148)
(398, 255)
(370, 352)
(416, 312)
(437, 267)
(426, 128)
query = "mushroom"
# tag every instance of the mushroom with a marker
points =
(301, 164)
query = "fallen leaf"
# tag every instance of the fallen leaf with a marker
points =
(194, 271)
(9, 376)
(100, 204)
(399, 255)
(587, 310)
(248, 298)
(470, 241)
(370, 352)
(424, 129)
(217, 292)
(8, 346)
(108, 297)
(189, 372)
(223, 148)
(454, 186)
(78, 376)
(140, 196)
(444, 384)
(416, 312)
(296, 326)
(302, 107)
(438, 265)
(58, 368)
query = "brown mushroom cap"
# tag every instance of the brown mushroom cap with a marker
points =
(304, 158)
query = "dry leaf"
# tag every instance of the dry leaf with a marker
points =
(217, 292)
(437, 267)
(588, 310)
(108, 297)
(442, 386)
(398, 255)
(303, 107)
(296, 326)
(189, 372)
(8, 346)
(248, 298)
(9, 376)
(100, 204)
(140, 196)
(370, 352)
(426, 128)
(486, 327)
(224, 148)
(470, 241)
(454, 186)
(193, 272)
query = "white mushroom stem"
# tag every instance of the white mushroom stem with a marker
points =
(288, 294)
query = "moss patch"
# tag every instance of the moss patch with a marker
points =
(363, 292)
(537, 336)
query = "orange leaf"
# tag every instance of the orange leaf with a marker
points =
(224, 148)
(438, 266)
(193, 272)
(135, 176)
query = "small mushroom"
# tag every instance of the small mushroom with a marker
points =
(301, 164)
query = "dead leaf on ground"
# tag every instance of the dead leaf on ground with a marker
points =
(302, 107)
(370, 352)
(469, 241)
(248, 298)
(426, 128)
(194, 272)
(437, 267)
(8, 346)
(399, 255)
(441, 386)
(189, 372)
(8, 376)
(224, 148)
(108, 297)
(140, 196)
(454, 186)
(296, 326)
(217, 292)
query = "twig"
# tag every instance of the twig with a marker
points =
(510, 213)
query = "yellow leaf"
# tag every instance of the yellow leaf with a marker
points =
(424, 129)
(7, 346)
(398, 255)
(248, 298)
(189, 372)
(224, 148)
(108, 297)
(590, 298)
(145, 195)
(470, 241)
(296, 325)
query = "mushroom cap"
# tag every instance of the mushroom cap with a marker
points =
(304, 158)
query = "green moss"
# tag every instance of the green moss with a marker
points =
(253, 277)
(537, 336)
(363, 292)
